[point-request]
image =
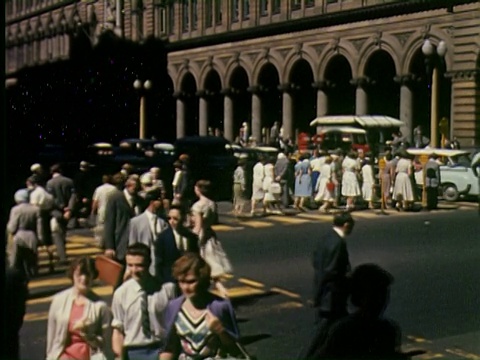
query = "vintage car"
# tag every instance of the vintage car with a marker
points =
(456, 175)
(378, 128)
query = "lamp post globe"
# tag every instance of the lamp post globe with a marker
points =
(137, 84)
(427, 48)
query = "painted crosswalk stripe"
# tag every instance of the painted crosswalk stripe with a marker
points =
(321, 217)
(364, 215)
(256, 224)
(225, 227)
(287, 220)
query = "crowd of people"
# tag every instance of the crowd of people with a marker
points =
(327, 180)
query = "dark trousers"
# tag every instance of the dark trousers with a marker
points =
(432, 197)
(323, 322)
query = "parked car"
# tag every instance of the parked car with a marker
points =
(457, 177)
(210, 159)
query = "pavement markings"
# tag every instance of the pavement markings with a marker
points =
(251, 282)
(285, 292)
(225, 227)
(428, 356)
(312, 216)
(462, 353)
(287, 220)
(37, 316)
(63, 281)
(364, 215)
(256, 224)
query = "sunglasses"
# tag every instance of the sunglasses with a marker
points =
(173, 218)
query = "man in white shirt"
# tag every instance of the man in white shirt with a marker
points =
(99, 204)
(137, 308)
(146, 227)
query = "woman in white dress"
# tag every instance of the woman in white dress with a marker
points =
(368, 185)
(271, 199)
(323, 190)
(403, 190)
(204, 216)
(257, 186)
(350, 187)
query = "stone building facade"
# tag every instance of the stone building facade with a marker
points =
(261, 61)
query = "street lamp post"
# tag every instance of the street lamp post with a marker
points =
(142, 87)
(432, 59)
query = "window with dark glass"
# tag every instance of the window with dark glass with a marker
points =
(194, 14)
(276, 6)
(208, 13)
(218, 12)
(235, 10)
(185, 16)
(246, 9)
(331, 1)
(263, 7)
(296, 4)
(309, 3)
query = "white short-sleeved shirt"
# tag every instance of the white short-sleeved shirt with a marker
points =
(127, 312)
(101, 195)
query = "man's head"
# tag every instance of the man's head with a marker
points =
(138, 260)
(175, 216)
(56, 169)
(131, 185)
(344, 221)
(154, 199)
(21, 196)
(370, 288)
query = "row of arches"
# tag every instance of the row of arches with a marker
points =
(296, 97)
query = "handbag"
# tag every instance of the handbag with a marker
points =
(275, 188)
(215, 256)
(330, 186)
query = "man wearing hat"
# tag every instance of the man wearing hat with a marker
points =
(25, 227)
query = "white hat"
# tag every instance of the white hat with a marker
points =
(84, 164)
(35, 167)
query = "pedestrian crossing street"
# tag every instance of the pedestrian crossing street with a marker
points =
(231, 223)
(77, 245)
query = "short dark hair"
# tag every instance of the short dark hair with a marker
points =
(86, 265)
(342, 218)
(203, 186)
(139, 249)
(56, 168)
(153, 194)
(368, 279)
(180, 209)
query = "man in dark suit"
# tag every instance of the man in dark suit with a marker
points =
(172, 243)
(331, 265)
(122, 205)
(432, 181)
(61, 187)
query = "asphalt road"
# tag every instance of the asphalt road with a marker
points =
(434, 257)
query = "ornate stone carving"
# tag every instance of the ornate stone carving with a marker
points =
(426, 31)
(377, 39)
(298, 49)
(403, 37)
(336, 44)
(319, 48)
(186, 64)
(406, 79)
(265, 53)
(358, 43)
(284, 52)
(236, 57)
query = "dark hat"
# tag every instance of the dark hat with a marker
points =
(153, 194)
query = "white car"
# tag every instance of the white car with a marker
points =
(456, 174)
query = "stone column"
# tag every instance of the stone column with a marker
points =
(406, 107)
(228, 114)
(256, 112)
(180, 121)
(361, 97)
(287, 113)
(202, 113)
(322, 97)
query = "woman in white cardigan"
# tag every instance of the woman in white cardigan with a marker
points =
(78, 320)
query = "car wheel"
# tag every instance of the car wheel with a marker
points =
(450, 192)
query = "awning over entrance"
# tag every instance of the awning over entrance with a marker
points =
(365, 121)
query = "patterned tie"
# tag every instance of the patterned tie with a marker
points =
(145, 317)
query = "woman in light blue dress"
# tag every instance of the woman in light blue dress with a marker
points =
(303, 183)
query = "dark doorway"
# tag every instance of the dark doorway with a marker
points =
(268, 81)
(189, 88)
(304, 96)
(213, 86)
(341, 93)
(242, 100)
